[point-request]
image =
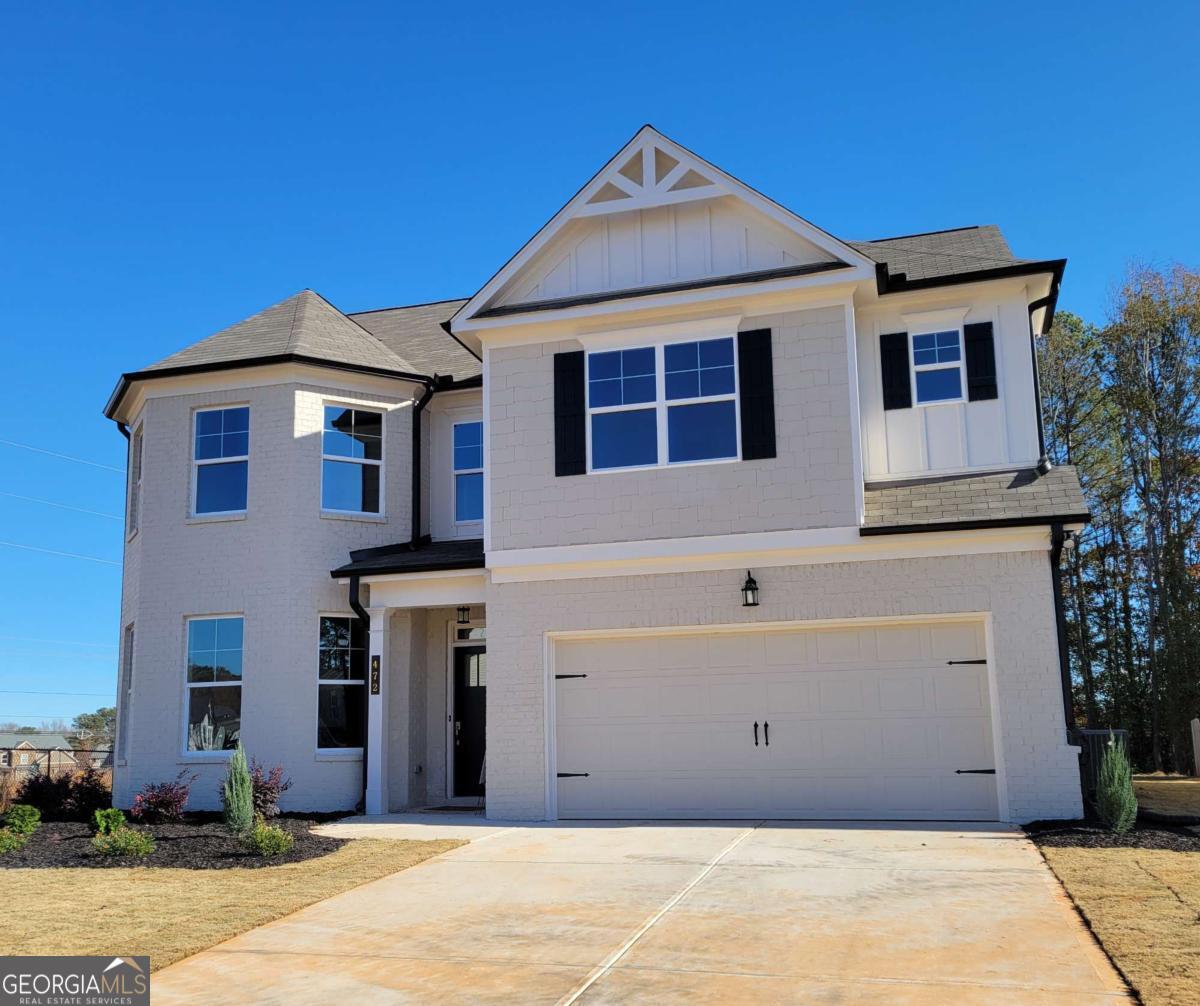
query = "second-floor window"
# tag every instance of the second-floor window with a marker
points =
(659, 405)
(221, 458)
(135, 483)
(937, 367)
(351, 460)
(468, 472)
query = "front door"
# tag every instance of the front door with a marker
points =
(470, 718)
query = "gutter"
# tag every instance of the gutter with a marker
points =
(1058, 538)
(365, 621)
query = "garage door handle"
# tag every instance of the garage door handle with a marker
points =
(767, 733)
(756, 733)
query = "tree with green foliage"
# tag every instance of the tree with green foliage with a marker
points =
(1116, 802)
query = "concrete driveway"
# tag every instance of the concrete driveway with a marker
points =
(698, 912)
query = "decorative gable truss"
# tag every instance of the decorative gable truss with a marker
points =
(658, 217)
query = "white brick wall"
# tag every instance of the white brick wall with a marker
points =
(808, 485)
(273, 566)
(1042, 774)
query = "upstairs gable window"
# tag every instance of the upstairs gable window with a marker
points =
(937, 367)
(670, 404)
(221, 460)
(351, 460)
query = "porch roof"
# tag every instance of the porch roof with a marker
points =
(425, 557)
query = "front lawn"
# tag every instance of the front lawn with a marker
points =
(172, 912)
(1168, 795)
(1140, 894)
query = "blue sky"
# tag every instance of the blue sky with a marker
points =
(169, 170)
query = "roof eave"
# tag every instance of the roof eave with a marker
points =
(127, 380)
(976, 525)
(900, 283)
(433, 566)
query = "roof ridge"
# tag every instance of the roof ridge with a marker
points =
(924, 234)
(406, 307)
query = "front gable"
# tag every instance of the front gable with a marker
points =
(658, 218)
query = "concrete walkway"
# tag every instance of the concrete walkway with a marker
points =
(658, 913)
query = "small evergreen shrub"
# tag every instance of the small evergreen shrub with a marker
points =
(108, 820)
(50, 794)
(124, 842)
(267, 786)
(163, 801)
(268, 839)
(89, 793)
(22, 819)
(1116, 802)
(11, 841)
(237, 793)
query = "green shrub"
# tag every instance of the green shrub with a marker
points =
(90, 791)
(51, 794)
(11, 841)
(237, 793)
(123, 842)
(268, 839)
(1115, 800)
(107, 821)
(23, 819)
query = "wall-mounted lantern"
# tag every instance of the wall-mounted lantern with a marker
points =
(464, 614)
(750, 592)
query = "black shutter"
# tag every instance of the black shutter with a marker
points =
(981, 362)
(893, 365)
(756, 379)
(570, 431)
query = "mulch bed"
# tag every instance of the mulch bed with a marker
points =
(1080, 834)
(199, 842)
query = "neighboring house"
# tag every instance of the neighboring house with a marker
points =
(496, 549)
(33, 752)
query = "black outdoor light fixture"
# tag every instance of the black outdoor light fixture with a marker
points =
(464, 614)
(750, 592)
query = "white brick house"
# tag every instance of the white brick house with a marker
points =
(692, 510)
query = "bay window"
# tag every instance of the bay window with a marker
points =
(351, 460)
(341, 677)
(220, 461)
(214, 683)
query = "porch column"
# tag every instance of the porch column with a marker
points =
(377, 697)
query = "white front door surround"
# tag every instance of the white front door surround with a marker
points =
(854, 719)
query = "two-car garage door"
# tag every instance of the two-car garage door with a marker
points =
(867, 722)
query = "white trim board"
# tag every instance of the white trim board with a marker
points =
(763, 549)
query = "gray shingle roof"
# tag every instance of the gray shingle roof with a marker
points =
(305, 324)
(1011, 497)
(941, 253)
(416, 333)
(465, 553)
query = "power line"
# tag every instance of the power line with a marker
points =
(65, 555)
(64, 642)
(33, 716)
(17, 691)
(61, 506)
(62, 457)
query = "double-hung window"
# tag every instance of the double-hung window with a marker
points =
(351, 460)
(341, 663)
(468, 472)
(937, 367)
(125, 692)
(221, 457)
(214, 683)
(661, 405)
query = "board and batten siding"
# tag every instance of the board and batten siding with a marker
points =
(809, 484)
(931, 439)
(662, 244)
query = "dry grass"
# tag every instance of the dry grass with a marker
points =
(1168, 794)
(1143, 905)
(170, 913)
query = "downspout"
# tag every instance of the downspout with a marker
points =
(365, 621)
(1058, 538)
(1043, 460)
(418, 407)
